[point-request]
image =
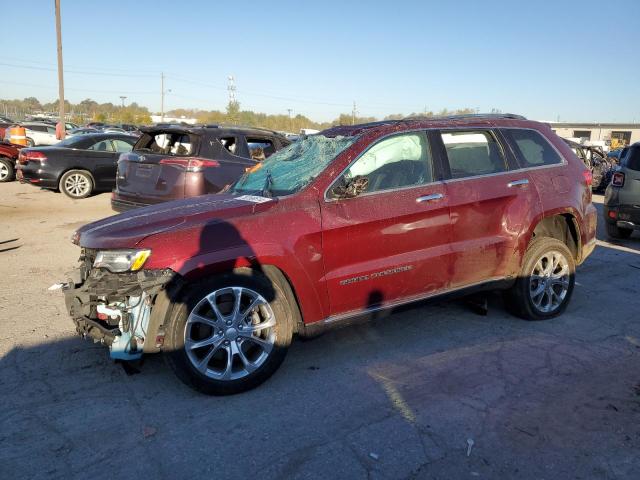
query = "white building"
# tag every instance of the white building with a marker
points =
(167, 119)
(614, 135)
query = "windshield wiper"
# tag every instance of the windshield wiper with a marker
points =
(268, 183)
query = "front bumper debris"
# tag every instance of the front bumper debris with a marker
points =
(115, 308)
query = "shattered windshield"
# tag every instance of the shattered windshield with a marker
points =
(292, 168)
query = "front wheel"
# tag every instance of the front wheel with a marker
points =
(230, 333)
(545, 284)
(76, 184)
(7, 172)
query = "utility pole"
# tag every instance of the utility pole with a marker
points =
(290, 124)
(123, 98)
(60, 71)
(162, 97)
(353, 114)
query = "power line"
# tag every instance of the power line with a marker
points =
(77, 72)
(249, 93)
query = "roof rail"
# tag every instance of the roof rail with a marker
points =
(465, 116)
(246, 127)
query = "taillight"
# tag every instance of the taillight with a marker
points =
(617, 180)
(588, 177)
(198, 165)
(29, 156)
(190, 164)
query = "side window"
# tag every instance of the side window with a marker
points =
(473, 152)
(396, 162)
(102, 146)
(260, 148)
(51, 130)
(534, 149)
(121, 146)
(181, 145)
(230, 143)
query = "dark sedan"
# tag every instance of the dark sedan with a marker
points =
(76, 166)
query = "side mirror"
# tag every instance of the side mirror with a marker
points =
(351, 188)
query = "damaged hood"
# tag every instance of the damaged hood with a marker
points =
(128, 229)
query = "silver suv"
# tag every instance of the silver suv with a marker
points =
(622, 198)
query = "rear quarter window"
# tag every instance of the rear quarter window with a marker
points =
(533, 149)
(168, 143)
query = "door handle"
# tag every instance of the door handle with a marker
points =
(517, 183)
(429, 198)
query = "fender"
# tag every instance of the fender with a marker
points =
(258, 256)
(577, 220)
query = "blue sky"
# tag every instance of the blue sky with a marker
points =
(576, 60)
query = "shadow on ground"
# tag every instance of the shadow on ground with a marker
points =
(397, 398)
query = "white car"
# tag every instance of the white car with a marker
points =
(40, 133)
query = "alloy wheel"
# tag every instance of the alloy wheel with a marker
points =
(4, 172)
(77, 185)
(549, 281)
(230, 333)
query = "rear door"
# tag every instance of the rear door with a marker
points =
(155, 170)
(390, 243)
(491, 204)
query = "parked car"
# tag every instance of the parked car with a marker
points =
(175, 161)
(81, 131)
(355, 220)
(8, 156)
(40, 133)
(4, 129)
(110, 129)
(95, 125)
(622, 197)
(77, 166)
(614, 155)
(596, 161)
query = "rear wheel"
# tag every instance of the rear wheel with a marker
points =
(230, 333)
(545, 284)
(614, 231)
(76, 184)
(7, 172)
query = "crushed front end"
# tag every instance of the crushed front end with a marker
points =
(119, 309)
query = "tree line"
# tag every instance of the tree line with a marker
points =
(89, 110)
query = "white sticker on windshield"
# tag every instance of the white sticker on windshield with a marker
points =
(254, 198)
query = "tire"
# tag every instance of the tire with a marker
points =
(7, 171)
(546, 295)
(76, 184)
(230, 358)
(30, 142)
(615, 231)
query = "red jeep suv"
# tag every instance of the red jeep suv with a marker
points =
(337, 225)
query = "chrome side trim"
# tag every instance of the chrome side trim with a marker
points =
(416, 298)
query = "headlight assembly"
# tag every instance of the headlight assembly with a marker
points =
(118, 261)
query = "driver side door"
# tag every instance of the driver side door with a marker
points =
(389, 243)
(102, 162)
